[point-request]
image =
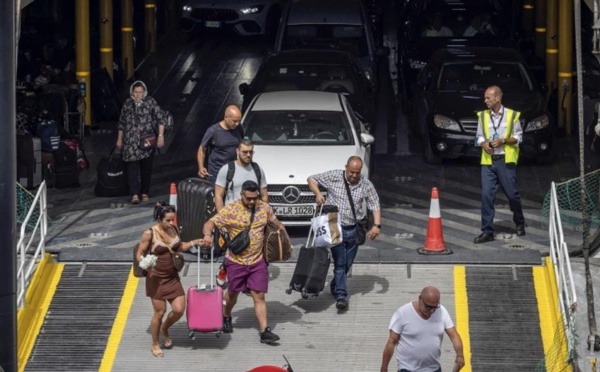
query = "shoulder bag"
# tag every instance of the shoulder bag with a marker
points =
(361, 226)
(242, 240)
(138, 272)
(178, 260)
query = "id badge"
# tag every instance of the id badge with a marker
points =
(494, 136)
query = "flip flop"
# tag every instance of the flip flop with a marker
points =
(157, 354)
(168, 344)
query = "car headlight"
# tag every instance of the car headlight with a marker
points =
(538, 123)
(416, 64)
(187, 8)
(252, 9)
(444, 122)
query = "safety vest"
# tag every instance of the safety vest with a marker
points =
(511, 152)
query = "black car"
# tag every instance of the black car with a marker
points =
(322, 70)
(449, 93)
(429, 25)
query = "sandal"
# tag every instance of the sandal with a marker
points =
(145, 197)
(157, 353)
(135, 200)
(168, 344)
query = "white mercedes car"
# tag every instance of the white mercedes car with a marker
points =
(246, 18)
(300, 133)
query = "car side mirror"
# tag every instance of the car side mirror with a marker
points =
(382, 52)
(366, 139)
(244, 87)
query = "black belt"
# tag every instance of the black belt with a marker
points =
(347, 227)
(498, 157)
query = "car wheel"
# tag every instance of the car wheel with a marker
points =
(430, 156)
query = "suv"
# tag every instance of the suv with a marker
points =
(300, 133)
(449, 93)
(320, 70)
(246, 18)
(332, 24)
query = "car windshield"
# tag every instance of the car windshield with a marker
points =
(338, 37)
(464, 76)
(328, 78)
(298, 128)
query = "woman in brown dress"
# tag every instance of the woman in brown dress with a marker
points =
(162, 280)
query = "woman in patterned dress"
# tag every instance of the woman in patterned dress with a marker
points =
(162, 280)
(140, 115)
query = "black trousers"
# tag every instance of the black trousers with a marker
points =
(139, 176)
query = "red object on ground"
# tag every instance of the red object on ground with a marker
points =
(434, 241)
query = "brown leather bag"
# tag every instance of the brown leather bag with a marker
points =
(276, 245)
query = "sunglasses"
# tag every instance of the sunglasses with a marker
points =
(430, 307)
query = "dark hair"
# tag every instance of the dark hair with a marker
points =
(249, 186)
(161, 209)
(245, 142)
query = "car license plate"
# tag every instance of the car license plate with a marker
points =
(214, 24)
(296, 210)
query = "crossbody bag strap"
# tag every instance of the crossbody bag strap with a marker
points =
(252, 217)
(350, 197)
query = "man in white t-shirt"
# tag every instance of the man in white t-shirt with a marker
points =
(245, 170)
(416, 332)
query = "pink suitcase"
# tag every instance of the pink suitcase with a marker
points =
(205, 305)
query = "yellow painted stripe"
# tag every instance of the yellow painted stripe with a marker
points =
(546, 292)
(528, 6)
(119, 325)
(30, 318)
(461, 307)
(82, 73)
(540, 29)
(106, 50)
(552, 51)
(127, 29)
(150, 6)
(565, 74)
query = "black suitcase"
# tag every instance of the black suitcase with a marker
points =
(111, 176)
(195, 205)
(310, 272)
(65, 167)
(29, 160)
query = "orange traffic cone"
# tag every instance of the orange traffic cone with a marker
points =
(434, 242)
(173, 199)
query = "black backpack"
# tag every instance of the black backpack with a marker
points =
(231, 172)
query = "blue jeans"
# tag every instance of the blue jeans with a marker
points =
(343, 257)
(406, 370)
(492, 176)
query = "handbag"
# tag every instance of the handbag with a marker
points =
(276, 244)
(148, 141)
(327, 227)
(361, 226)
(111, 179)
(242, 240)
(178, 260)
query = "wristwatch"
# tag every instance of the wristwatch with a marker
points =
(377, 226)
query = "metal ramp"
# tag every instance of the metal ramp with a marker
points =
(80, 318)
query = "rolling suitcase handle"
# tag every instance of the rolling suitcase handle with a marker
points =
(212, 269)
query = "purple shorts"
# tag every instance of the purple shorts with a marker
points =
(242, 277)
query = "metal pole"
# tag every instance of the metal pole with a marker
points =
(528, 18)
(565, 64)
(540, 28)
(82, 55)
(106, 36)
(8, 189)
(127, 37)
(150, 25)
(551, 45)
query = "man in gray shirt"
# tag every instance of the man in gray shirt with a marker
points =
(244, 169)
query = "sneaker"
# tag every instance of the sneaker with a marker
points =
(227, 325)
(135, 200)
(341, 304)
(268, 337)
(483, 238)
(521, 230)
(145, 197)
(222, 276)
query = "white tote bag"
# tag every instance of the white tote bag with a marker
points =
(327, 230)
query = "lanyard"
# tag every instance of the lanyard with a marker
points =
(494, 126)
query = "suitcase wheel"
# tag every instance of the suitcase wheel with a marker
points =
(288, 291)
(219, 334)
(192, 335)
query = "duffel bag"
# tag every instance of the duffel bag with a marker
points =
(111, 176)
